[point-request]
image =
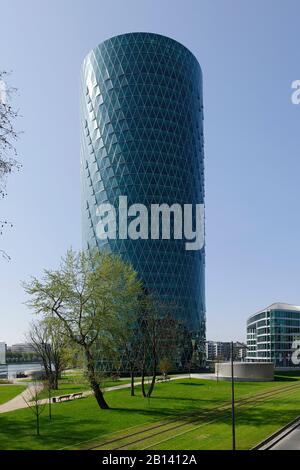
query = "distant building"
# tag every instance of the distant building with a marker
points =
(2, 352)
(217, 350)
(22, 348)
(221, 351)
(240, 350)
(3, 366)
(273, 334)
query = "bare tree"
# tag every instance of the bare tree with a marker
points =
(129, 346)
(8, 137)
(50, 344)
(158, 336)
(34, 403)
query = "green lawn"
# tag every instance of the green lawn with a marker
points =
(7, 392)
(67, 387)
(253, 424)
(79, 421)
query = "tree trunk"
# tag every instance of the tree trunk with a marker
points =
(143, 383)
(58, 368)
(37, 423)
(56, 374)
(55, 382)
(47, 371)
(93, 381)
(52, 381)
(132, 384)
(151, 388)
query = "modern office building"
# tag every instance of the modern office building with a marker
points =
(240, 351)
(221, 351)
(22, 348)
(218, 350)
(142, 137)
(273, 334)
(2, 352)
(3, 366)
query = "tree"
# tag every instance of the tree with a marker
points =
(165, 365)
(129, 349)
(49, 390)
(8, 137)
(49, 342)
(89, 295)
(158, 335)
(33, 402)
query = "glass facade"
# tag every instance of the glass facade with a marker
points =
(142, 137)
(271, 334)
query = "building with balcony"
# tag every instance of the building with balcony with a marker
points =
(273, 334)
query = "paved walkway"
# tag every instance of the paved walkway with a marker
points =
(289, 442)
(19, 401)
(288, 438)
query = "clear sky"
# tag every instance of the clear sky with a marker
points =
(249, 54)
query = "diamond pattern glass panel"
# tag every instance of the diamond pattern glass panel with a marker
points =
(142, 137)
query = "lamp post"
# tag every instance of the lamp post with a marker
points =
(47, 347)
(232, 399)
(49, 401)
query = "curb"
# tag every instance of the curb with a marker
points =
(280, 434)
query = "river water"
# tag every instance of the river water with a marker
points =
(14, 369)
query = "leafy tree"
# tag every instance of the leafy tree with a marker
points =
(89, 295)
(165, 365)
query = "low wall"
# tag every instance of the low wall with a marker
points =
(246, 371)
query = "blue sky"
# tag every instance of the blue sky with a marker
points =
(249, 54)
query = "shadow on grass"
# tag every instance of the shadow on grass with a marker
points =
(157, 397)
(76, 422)
(191, 384)
(283, 378)
(261, 416)
(56, 434)
(155, 412)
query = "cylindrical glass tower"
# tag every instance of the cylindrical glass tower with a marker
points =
(142, 137)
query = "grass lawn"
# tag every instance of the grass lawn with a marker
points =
(68, 386)
(78, 421)
(7, 392)
(253, 424)
(65, 388)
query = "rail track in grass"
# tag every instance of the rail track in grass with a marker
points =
(186, 422)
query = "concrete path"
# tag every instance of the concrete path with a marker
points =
(288, 438)
(19, 402)
(289, 442)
